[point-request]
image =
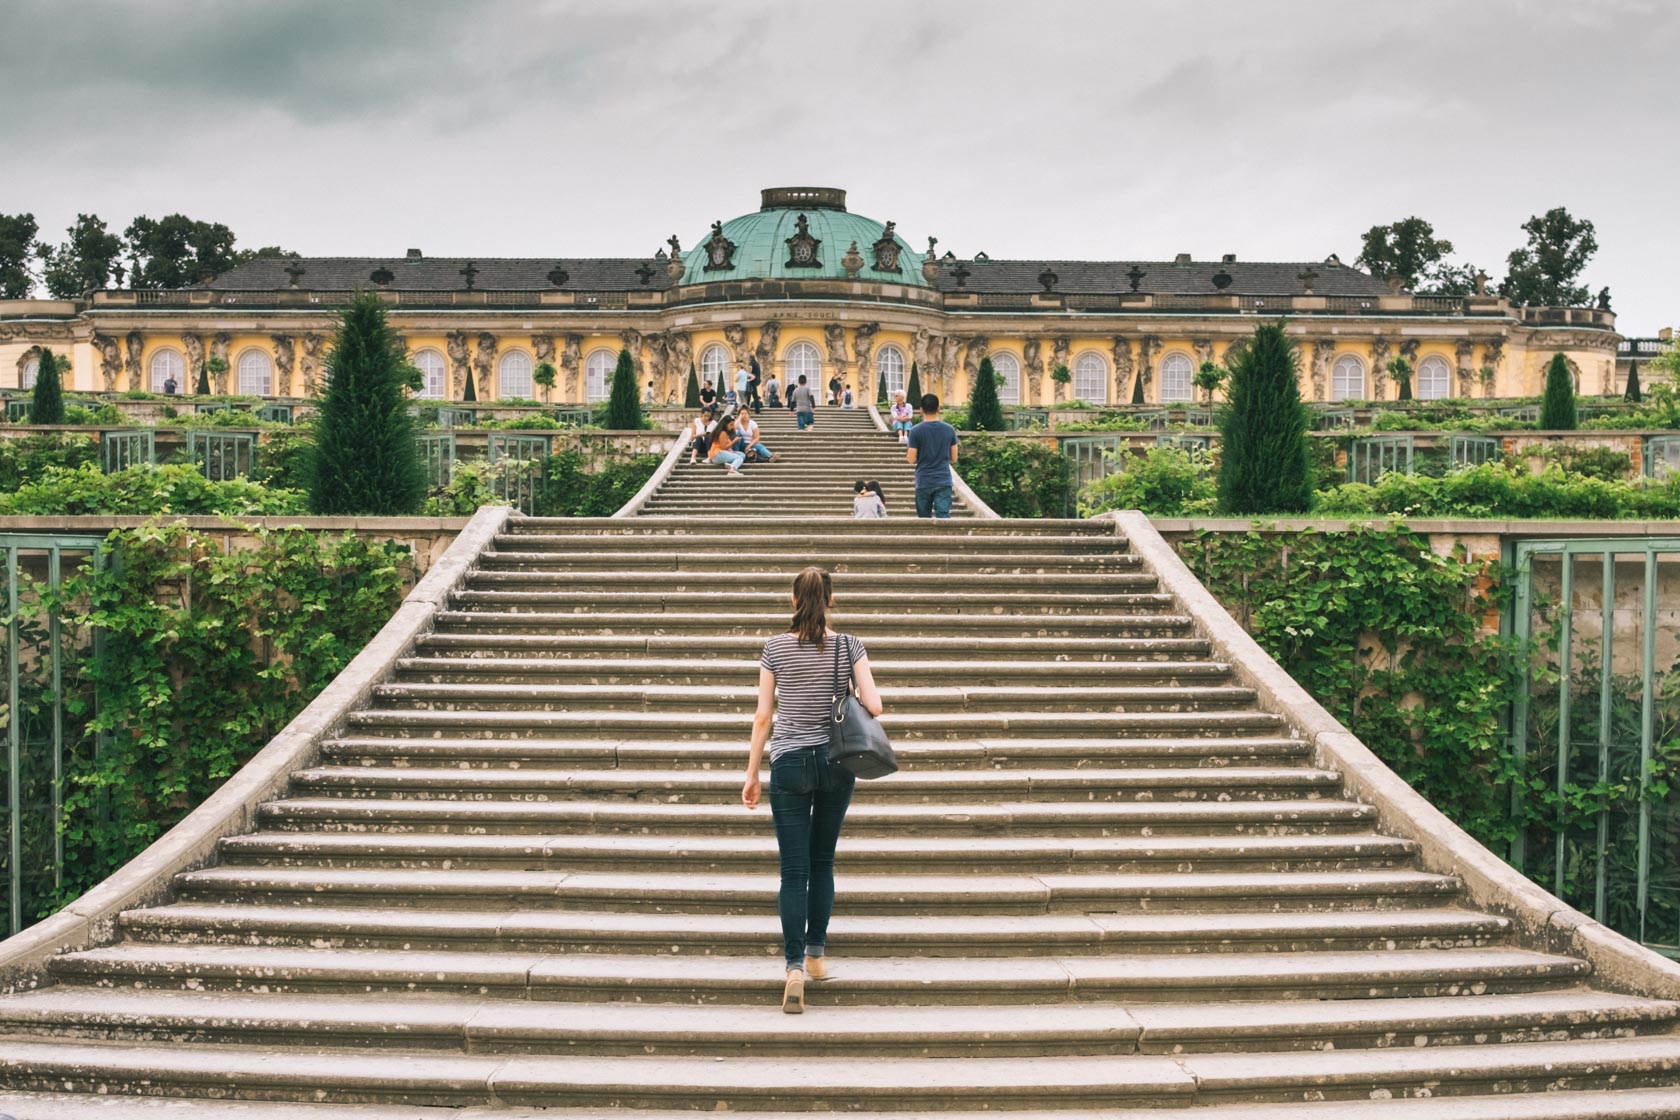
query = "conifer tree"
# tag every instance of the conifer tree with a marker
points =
(1557, 407)
(202, 387)
(985, 412)
(365, 459)
(913, 393)
(1633, 391)
(624, 407)
(691, 398)
(47, 405)
(1137, 388)
(1264, 466)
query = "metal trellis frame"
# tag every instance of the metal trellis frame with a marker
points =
(1371, 457)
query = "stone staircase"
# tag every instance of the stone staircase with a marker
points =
(1107, 881)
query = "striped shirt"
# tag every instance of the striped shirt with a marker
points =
(804, 688)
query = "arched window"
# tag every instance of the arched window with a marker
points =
(802, 358)
(1347, 379)
(889, 368)
(1434, 380)
(1090, 378)
(167, 364)
(256, 374)
(1176, 373)
(714, 364)
(431, 367)
(513, 375)
(31, 370)
(1008, 369)
(598, 373)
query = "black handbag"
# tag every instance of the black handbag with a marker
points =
(856, 739)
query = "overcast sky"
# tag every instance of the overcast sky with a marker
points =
(1273, 130)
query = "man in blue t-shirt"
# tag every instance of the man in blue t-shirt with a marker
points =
(933, 448)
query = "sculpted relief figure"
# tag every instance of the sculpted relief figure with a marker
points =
(835, 335)
(1379, 365)
(1059, 356)
(768, 336)
(1204, 350)
(863, 348)
(283, 361)
(309, 362)
(193, 344)
(1147, 349)
(736, 335)
(110, 360)
(219, 343)
(1122, 353)
(542, 350)
(136, 342)
(571, 366)
(658, 348)
(978, 347)
(676, 367)
(921, 351)
(1324, 353)
(456, 343)
(1032, 364)
(1464, 354)
(484, 360)
(632, 340)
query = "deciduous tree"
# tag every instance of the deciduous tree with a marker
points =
(17, 246)
(1547, 270)
(84, 262)
(175, 251)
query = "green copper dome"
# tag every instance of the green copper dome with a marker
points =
(772, 244)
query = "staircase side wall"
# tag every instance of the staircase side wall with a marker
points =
(146, 879)
(1490, 883)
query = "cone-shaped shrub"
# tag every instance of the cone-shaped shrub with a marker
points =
(1264, 466)
(1137, 388)
(1557, 407)
(365, 460)
(913, 394)
(1633, 394)
(47, 405)
(691, 398)
(985, 413)
(202, 389)
(469, 393)
(624, 407)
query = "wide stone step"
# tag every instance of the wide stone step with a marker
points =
(863, 935)
(735, 893)
(904, 855)
(693, 671)
(1097, 1028)
(1069, 818)
(763, 576)
(894, 535)
(668, 787)
(917, 605)
(742, 697)
(736, 726)
(725, 624)
(915, 755)
(967, 648)
(862, 560)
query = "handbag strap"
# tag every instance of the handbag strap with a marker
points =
(838, 691)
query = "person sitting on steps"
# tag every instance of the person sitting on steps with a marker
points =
(808, 794)
(708, 395)
(723, 448)
(867, 503)
(746, 439)
(901, 417)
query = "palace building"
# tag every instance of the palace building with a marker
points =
(809, 287)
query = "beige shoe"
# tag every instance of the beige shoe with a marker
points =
(793, 994)
(816, 968)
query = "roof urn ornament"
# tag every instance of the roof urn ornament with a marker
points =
(1308, 277)
(802, 247)
(961, 273)
(558, 276)
(852, 262)
(887, 250)
(720, 251)
(930, 263)
(1048, 278)
(382, 276)
(1479, 282)
(470, 272)
(646, 273)
(1136, 276)
(674, 267)
(1222, 280)
(294, 271)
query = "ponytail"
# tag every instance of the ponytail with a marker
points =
(812, 590)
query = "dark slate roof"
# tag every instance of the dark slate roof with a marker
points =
(436, 274)
(1160, 277)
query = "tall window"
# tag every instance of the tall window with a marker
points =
(431, 367)
(598, 373)
(167, 364)
(1176, 373)
(1008, 369)
(31, 370)
(256, 374)
(802, 358)
(1434, 380)
(1090, 378)
(1347, 379)
(513, 375)
(889, 367)
(714, 364)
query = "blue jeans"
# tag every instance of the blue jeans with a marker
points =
(806, 419)
(933, 501)
(808, 799)
(730, 459)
